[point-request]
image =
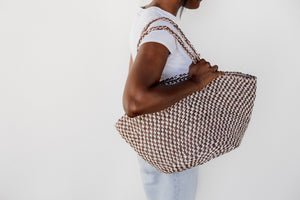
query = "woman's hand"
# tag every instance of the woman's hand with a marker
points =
(202, 73)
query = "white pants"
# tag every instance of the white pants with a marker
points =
(161, 186)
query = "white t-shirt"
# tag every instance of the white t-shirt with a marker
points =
(178, 61)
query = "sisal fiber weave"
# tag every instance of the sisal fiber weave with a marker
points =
(202, 126)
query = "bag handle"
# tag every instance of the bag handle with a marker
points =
(176, 26)
(195, 57)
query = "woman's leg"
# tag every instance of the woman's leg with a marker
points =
(161, 186)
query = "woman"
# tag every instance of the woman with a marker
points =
(161, 56)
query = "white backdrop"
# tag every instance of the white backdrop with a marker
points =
(63, 66)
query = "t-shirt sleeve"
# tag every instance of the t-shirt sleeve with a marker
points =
(163, 37)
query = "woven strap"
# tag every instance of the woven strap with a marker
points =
(176, 26)
(194, 57)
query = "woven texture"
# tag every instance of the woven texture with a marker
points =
(197, 128)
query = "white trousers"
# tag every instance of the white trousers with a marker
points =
(161, 186)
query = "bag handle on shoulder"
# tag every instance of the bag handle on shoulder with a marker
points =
(194, 57)
(176, 26)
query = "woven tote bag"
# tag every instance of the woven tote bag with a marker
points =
(202, 126)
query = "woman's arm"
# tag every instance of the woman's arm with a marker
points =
(143, 95)
(130, 63)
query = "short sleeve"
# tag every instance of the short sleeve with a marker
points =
(163, 37)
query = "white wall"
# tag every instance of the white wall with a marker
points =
(63, 66)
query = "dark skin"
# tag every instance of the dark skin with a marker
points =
(142, 94)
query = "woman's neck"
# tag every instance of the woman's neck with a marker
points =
(171, 6)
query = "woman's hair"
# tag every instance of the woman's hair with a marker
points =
(182, 7)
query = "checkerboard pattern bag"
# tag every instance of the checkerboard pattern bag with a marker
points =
(202, 126)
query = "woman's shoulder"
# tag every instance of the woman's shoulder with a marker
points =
(143, 17)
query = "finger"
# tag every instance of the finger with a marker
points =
(214, 68)
(202, 60)
(207, 64)
(220, 73)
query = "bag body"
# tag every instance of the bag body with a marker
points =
(197, 128)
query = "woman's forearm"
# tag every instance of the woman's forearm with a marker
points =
(158, 97)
